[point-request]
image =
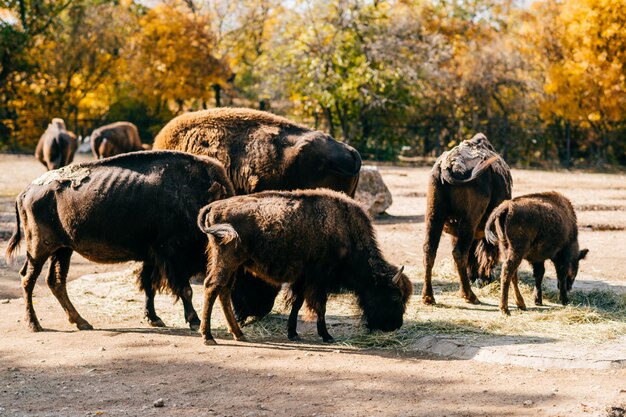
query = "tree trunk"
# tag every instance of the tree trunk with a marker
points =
(329, 119)
(218, 94)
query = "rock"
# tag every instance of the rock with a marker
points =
(528, 403)
(372, 191)
(159, 403)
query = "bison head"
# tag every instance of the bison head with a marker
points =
(385, 303)
(575, 257)
(319, 161)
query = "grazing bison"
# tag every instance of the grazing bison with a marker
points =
(57, 146)
(141, 206)
(466, 184)
(319, 241)
(262, 151)
(114, 139)
(536, 227)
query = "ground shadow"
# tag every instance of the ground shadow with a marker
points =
(390, 219)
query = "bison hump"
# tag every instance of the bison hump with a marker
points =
(461, 162)
(74, 174)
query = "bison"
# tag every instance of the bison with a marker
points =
(466, 184)
(141, 207)
(536, 227)
(319, 241)
(262, 151)
(57, 146)
(116, 138)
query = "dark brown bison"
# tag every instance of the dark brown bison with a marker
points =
(536, 227)
(116, 138)
(466, 184)
(262, 151)
(141, 206)
(57, 146)
(319, 241)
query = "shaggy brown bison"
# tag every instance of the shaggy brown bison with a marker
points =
(319, 241)
(114, 139)
(536, 227)
(262, 151)
(57, 146)
(141, 206)
(466, 184)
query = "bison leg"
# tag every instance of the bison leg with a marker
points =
(292, 323)
(519, 300)
(561, 274)
(462, 245)
(509, 269)
(56, 279)
(147, 276)
(316, 301)
(30, 271)
(210, 294)
(191, 316)
(218, 282)
(538, 272)
(227, 307)
(472, 263)
(434, 227)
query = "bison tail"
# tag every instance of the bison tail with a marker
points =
(224, 232)
(14, 242)
(495, 222)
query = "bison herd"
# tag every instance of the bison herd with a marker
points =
(255, 202)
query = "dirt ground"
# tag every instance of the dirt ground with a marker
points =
(124, 366)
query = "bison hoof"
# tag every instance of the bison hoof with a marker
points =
(210, 342)
(428, 300)
(328, 339)
(241, 338)
(505, 312)
(34, 327)
(84, 326)
(471, 299)
(538, 302)
(522, 307)
(194, 326)
(156, 323)
(294, 337)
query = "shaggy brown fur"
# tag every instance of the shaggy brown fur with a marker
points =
(57, 146)
(466, 184)
(319, 241)
(129, 207)
(114, 139)
(262, 151)
(536, 227)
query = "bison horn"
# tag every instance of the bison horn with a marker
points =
(396, 278)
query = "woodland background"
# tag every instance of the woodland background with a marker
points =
(545, 80)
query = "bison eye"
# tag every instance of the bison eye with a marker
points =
(205, 143)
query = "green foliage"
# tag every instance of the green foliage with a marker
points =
(545, 82)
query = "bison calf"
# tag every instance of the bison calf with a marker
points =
(536, 227)
(320, 242)
(141, 207)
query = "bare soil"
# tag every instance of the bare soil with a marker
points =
(124, 366)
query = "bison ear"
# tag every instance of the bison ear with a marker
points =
(582, 254)
(398, 276)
